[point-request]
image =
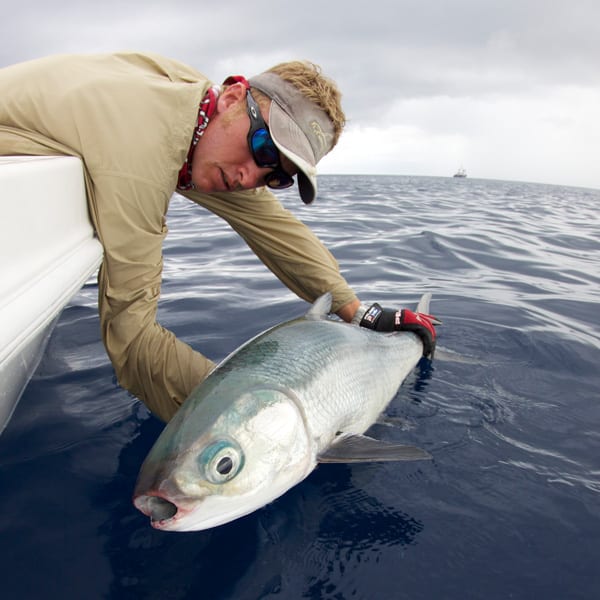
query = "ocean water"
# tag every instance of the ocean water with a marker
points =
(510, 410)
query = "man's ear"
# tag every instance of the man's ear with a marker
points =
(231, 95)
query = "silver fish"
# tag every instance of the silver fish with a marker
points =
(300, 393)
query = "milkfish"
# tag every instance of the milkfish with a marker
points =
(301, 393)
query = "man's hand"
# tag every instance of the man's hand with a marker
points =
(386, 319)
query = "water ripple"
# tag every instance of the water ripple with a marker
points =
(509, 411)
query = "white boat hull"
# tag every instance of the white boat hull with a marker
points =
(47, 252)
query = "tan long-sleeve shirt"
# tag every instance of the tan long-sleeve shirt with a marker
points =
(130, 118)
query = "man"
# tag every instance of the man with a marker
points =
(145, 126)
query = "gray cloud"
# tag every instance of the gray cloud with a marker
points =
(384, 55)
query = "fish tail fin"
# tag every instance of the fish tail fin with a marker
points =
(423, 306)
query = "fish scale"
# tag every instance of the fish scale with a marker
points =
(321, 362)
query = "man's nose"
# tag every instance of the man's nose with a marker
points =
(250, 175)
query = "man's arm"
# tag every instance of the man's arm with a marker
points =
(149, 360)
(348, 311)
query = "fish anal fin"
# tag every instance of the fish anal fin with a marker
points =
(351, 448)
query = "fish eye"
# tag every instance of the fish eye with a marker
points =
(225, 465)
(221, 461)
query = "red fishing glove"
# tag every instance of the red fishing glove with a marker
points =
(387, 319)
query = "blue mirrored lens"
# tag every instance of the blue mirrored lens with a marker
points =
(264, 150)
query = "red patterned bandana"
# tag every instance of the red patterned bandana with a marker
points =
(207, 109)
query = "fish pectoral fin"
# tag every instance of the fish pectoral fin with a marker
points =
(352, 448)
(399, 422)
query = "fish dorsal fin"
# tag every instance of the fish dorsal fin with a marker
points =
(321, 307)
(351, 448)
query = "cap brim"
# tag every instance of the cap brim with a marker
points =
(307, 188)
(287, 135)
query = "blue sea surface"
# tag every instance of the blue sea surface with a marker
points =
(509, 507)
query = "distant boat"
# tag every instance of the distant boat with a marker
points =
(460, 173)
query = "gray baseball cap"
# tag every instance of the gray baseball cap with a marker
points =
(300, 129)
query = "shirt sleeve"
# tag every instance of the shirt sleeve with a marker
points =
(283, 243)
(149, 360)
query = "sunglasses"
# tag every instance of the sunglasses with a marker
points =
(263, 148)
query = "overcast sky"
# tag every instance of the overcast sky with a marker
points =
(509, 89)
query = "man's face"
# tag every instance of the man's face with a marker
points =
(222, 160)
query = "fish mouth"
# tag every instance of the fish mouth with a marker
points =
(165, 515)
(162, 512)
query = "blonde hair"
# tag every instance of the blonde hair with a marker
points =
(307, 78)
